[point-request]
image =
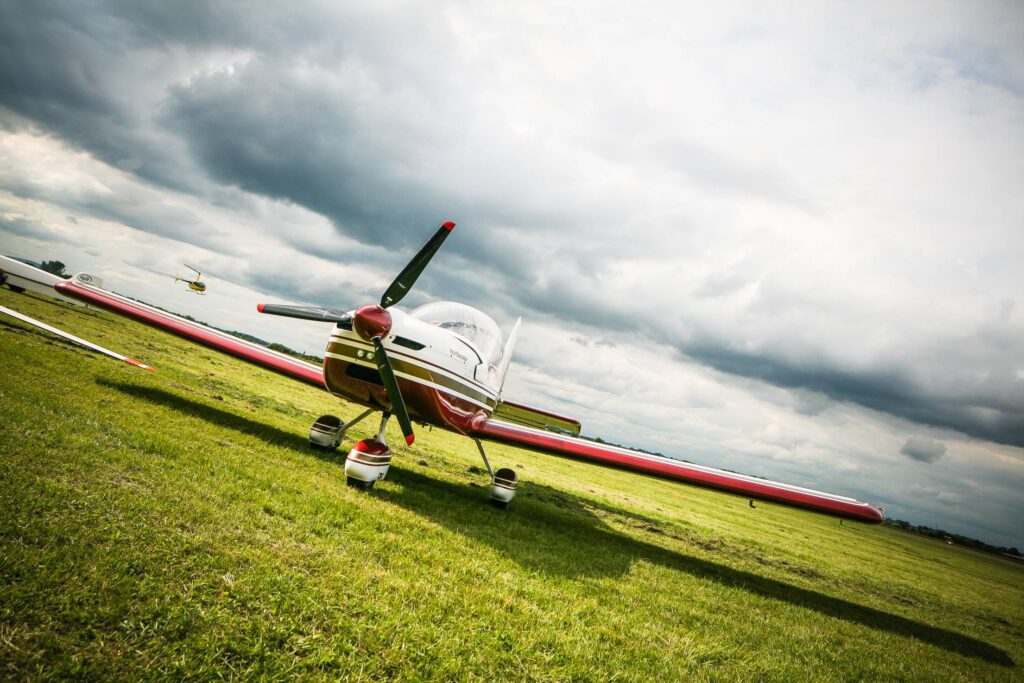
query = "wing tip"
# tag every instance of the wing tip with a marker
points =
(409, 439)
(259, 307)
(448, 225)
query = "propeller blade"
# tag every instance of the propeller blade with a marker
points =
(70, 337)
(387, 375)
(328, 315)
(407, 278)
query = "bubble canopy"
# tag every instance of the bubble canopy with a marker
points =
(477, 328)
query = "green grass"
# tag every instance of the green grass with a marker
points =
(176, 525)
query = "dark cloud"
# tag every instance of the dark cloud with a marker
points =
(888, 390)
(923, 449)
(26, 227)
(810, 402)
(64, 69)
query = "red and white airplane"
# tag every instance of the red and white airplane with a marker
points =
(442, 364)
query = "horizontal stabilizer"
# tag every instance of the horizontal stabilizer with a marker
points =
(536, 417)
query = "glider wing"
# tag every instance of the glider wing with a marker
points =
(81, 287)
(70, 337)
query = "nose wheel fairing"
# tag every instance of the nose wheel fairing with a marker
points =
(369, 460)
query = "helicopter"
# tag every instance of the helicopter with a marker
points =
(196, 285)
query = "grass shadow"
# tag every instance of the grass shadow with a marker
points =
(555, 532)
(22, 328)
(216, 416)
(552, 531)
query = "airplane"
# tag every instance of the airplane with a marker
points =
(443, 364)
(193, 285)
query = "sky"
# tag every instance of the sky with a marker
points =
(783, 240)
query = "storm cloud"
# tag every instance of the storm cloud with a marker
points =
(923, 449)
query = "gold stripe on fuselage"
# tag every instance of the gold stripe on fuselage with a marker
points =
(418, 362)
(415, 372)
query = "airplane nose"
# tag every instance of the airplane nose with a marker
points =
(371, 321)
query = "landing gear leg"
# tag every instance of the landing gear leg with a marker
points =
(369, 460)
(503, 482)
(328, 431)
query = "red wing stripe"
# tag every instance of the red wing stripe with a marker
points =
(132, 361)
(221, 341)
(669, 468)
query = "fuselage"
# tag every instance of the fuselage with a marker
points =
(444, 378)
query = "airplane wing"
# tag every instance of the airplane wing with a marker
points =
(83, 287)
(491, 429)
(70, 337)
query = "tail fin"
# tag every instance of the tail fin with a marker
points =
(506, 354)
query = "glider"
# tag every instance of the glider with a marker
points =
(442, 364)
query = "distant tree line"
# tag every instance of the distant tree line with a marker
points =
(950, 537)
(273, 346)
(940, 534)
(54, 267)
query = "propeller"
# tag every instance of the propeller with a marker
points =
(387, 375)
(407, 278)
(329, 315)
(373, 322)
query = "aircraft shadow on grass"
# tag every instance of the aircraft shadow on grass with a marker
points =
(554, 532)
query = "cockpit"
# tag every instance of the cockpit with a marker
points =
(475, 327)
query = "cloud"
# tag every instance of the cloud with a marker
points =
(817, 239)
(923, 449)
(890, 390)
(810, 402)
(950, 498)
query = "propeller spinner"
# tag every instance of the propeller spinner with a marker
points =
(373, 322)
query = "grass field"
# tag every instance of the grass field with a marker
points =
(176, 525)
